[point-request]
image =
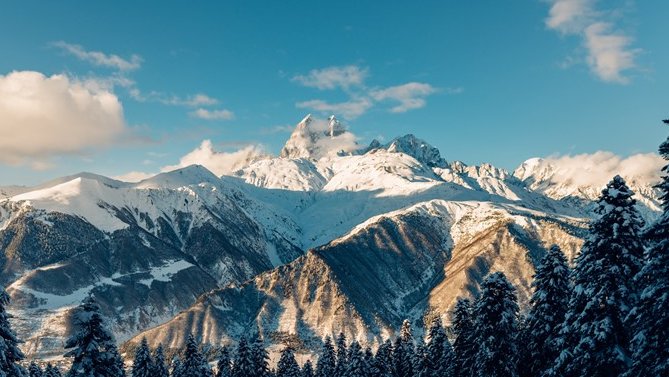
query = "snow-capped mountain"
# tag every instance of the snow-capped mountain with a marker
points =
(330, 236)
(563, 183)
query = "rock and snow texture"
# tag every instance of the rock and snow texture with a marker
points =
(391, 231)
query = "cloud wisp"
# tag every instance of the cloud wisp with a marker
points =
(333, 77)
(205, 114)
(609, 51)
(351, 80)
(100, 58)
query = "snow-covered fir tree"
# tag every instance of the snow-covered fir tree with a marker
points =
(439, 356)
(325, 367)
(595, 338)
(243, 365)
(650, 319)
(141, 367)
(403, 352)
(10, 354)
(356, 366)
(383, 360)
(194, 364)
(159, 367)
(495, 329)
(548, 307)
(176, 367)
(224, 363)
(463, 330)
(287, 365)
(34, 370)
(307, 369)
(93, 350)
(342, 355)
(51, 371)
(260, 357)
(369, 360)
(420, 363)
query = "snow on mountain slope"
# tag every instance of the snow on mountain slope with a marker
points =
(404, 264)
(127, 244)
(578, 180)
(284, 174)
(394, 231)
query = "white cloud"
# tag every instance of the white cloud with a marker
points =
(333, 77)
(212, 114)
(349, 109)
(133, 176)
(598, 168)
(220, 163)
(609, 52)
(569, 16)
(410, 96)
(99, 58)
(41, 117)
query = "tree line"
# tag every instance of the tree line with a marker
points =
(607, 316)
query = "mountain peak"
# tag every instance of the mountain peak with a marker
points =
(189, 175)
(418, 149)
(316, 138)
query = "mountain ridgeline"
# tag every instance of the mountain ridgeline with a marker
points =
(331, 237)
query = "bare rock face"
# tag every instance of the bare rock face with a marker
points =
(411, 264)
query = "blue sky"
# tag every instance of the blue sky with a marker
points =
(139, 85)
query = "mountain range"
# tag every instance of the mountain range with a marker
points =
(330, 236)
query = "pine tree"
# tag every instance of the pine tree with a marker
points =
(51, 371)
(223, 366)
(495, 328)
(194, 364)
(92, 347)
(463, 345)
(548, 307)
(159, 367)
(342, 354)
(369, 361)
(383, 361)
(287, 366)
(177, 367)
(420, 362)
(355, 366)
(34, 370)
(243, 365)
(325, 367)
(141, 366)
(10, 354)
(594, 336)
(307, 369)
(260, 357)
(403, 352)
(650, 319)
(439, 355)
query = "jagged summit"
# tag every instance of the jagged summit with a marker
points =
(316, 138)
(414, 147)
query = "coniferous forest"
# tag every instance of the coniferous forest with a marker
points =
(605, 315)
